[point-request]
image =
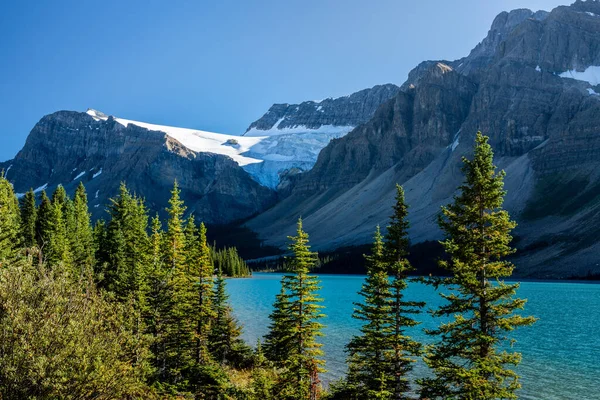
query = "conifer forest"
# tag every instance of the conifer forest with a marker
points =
(136, 307)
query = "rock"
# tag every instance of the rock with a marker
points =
(543, 125)
(68, 147)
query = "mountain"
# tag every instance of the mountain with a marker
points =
(224, 178)
(532, 86)
(70, 147)
(294, 134)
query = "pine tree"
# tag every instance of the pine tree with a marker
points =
(28, 217)
(467, 361)
(370, 353)
(10, 238)
(304, 364)
(396, 251)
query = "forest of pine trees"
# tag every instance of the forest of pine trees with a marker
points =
(137, 307)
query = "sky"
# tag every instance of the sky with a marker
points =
(217, 65)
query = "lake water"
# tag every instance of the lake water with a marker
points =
(561, 352)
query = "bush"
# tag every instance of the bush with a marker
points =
(65, 340)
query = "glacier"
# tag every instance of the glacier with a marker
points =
(264, 154)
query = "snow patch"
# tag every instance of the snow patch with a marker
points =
(79, 175)
(39, 189)
(97, 174)
(202, 141)
(590, 75)
(323, 129)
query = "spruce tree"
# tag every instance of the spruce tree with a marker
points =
(175, 238)
(129, 247)
(204, 287)
(370, 353)
(10, 238)
(51, 232)
(403, 346)
(470, 360)
(278, 341)
(304, 312)
(28, 217)
(83, 241)
(225, 331)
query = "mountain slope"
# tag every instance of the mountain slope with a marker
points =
(294, 134)
(516, 86)
(68, 147)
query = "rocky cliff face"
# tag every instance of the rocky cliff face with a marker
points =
(294, 134)
(68, 147)
(531, 85)
(351, 111)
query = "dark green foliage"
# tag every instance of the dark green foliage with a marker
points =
(278, 342)
(225, 344)
(468, 361)
(303, 363)
(28, 217)
(127, 265)
(382, 356)
(229, 262)
(395, 253)
(51, 232)
(154, 317)
(10, 238)
(82, 246)
(370, 353)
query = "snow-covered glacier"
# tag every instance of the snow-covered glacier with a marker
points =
(264, 154)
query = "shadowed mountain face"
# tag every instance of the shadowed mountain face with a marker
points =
(68, 147)
(531, 86)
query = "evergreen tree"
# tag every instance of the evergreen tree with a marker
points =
(128, 256)
(205, 311)
(178, 342)
(304, 364)
(468, 361)
(160, 303)
(10, 238)
(28, 217)
(278, 342)
(51, 232)
(403, 346)
(83, 238)
(370, 353)
(175, 238)
(225, 331)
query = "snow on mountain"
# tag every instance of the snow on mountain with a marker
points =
(263, 154)
(591, 75)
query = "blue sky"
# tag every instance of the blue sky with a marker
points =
(217, 65)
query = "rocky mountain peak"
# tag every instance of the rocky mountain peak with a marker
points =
(345, 111)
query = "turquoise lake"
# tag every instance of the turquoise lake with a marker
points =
(561, 352)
